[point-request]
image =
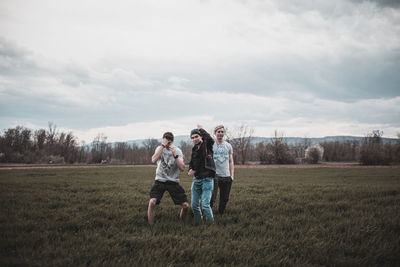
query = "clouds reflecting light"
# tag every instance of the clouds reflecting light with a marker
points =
(132, 69)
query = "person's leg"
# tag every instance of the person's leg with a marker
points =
(215, 192)
(196, 194)
(225, 189)
(178, 195)
(182, 214)
(207, 186)
(151, 210)
(156, 193)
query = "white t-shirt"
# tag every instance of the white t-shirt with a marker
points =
(167, 169)
(221, 158)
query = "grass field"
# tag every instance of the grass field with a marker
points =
(281, 216)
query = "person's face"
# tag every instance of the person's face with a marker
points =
(167, 142)
(220, 133)
(196, 139)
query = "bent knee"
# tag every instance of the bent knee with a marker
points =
(206, 205)
(153, 202)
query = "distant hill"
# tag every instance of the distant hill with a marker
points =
(288, 140)
(317, 140)
(177, 140)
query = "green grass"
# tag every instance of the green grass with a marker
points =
(297, 217)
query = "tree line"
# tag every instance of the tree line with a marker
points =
(23, 145)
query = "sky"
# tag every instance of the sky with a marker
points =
(136, 69)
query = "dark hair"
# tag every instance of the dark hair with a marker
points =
(195, 131)
(169, 136)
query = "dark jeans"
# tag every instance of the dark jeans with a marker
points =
(224, 184)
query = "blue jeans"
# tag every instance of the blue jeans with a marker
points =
(202, 190)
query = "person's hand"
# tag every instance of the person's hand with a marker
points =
(165, 142)
(233, 178)
(199, 126)
(191, 172)
(173, 150)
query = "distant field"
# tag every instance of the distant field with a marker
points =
(276, 216)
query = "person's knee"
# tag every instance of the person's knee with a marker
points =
(185, 205)
(205, 204)
(195, 206)
(153, 202)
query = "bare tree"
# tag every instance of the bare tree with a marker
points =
(120, 151)
(299, 148)
(397, 150)
(265, 153)
(186, 148)
(372, 151)
(150, 146)
(282, 154)
(40, 138)
(337, 151)
(240, 140)
(69, 151)
(51, 137)
(314, 154)
(99, 147)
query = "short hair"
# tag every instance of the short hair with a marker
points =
(218, 127)
(195, 131)
(169, 136)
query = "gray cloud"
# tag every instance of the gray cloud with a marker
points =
(382, 3)
(327, 9)
(268, 63)
(346, 80)
(69, 94)
(18, 61)
(15, 60)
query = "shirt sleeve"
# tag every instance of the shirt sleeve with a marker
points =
(157, 148)
(191, 163)
(230, 149)
(206, 136)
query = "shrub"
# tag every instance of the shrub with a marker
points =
(314, 154)
(373, 152)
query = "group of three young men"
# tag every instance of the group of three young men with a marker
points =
(211, 166)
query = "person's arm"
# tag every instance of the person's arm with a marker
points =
(191, 172)
(190, 164)
(164, 144)
(179, 162)
(231, 166)
(205, 135)
(157, 154)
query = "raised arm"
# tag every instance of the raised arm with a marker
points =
(206, 136)
(157, 154)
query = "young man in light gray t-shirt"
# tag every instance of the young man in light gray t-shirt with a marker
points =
(223, 157)
(169, 159)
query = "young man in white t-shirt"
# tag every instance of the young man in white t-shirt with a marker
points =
(169, 159)
(223, 157)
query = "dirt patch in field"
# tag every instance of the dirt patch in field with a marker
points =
(272, 166)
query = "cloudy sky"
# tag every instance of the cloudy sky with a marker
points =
(135, 69)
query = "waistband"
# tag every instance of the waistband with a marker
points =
(166, 182)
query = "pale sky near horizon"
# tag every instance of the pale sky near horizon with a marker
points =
(135, 69)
